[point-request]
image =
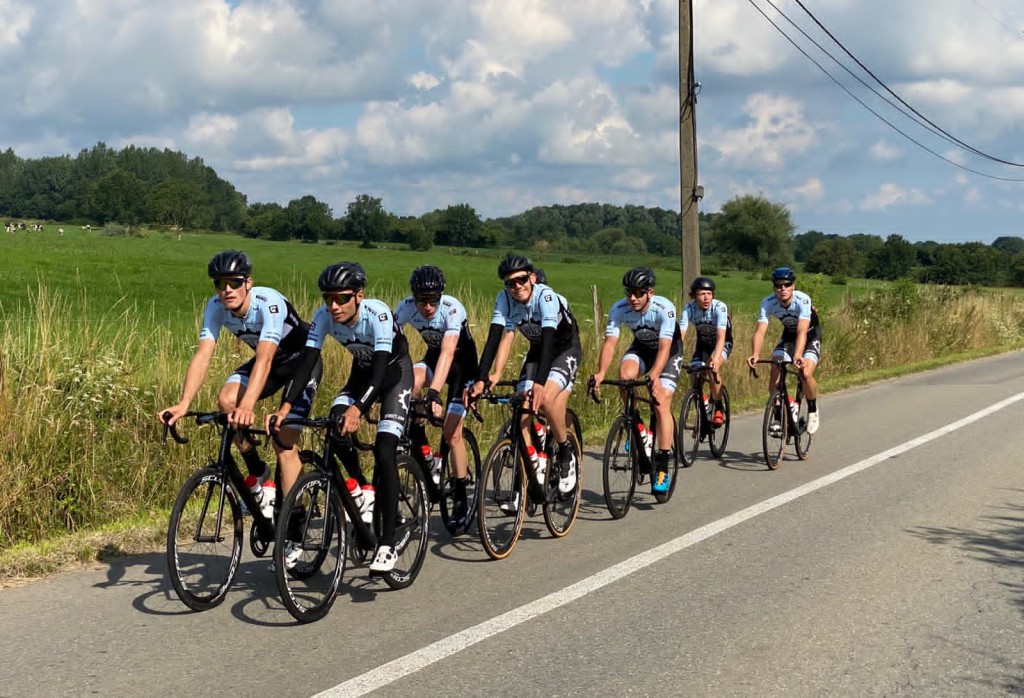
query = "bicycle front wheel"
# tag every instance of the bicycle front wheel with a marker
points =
(412, 526)
(560, 508)
(310, 546)
(802, 439)
(619, 469)
(688, 436)
(204, 540)
(719, 436)
(448, 490)
(773, 430)
(501, 503)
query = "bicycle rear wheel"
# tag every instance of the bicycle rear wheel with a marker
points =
(502, 500)
(619, 469)
(802, 439)
(204, 540)
(688, 436)
(719, 436)
(310, 547)
(412, 526)
(572, 421)
(773, 430)
(448, 487)
(560, 509)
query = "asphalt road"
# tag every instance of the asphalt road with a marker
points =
(890, 562)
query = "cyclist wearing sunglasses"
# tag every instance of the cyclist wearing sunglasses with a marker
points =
(711, 321)
(381, 372)
(657, 348)
(801, 336)
(549, 370)
(263, 319)
(450, 360)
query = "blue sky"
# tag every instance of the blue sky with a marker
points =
(508, 104)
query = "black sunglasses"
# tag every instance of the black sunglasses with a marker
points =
(635, 292)
(424, 300)
(514, 281)
(339, 298)
(783, 284)
(224, 284)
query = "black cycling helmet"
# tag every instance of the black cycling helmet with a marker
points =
(540, 276)
(783, 274)
(702, 283)
(342, 276)
(229, 263)
(427, 279)
(513, 263)
(638, 277)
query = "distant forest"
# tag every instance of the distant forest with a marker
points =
(132, 189)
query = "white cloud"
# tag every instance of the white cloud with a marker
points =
(885, 152)
(889, 195)
(424, 81)
(810, 191)
(777, 129)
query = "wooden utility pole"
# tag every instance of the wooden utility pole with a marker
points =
(689, 192)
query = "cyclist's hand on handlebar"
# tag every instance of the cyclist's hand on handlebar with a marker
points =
(349, 422)
(273, 421)
(799, 363)
(752, 361)
(170, 415)
(472, 393)
(241, 418)
(536, 398)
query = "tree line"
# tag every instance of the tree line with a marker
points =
(152, 187)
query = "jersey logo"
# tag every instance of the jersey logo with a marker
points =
(671, 313)
(382, 316)
(272, 308)
(547, 297)
(452, 311)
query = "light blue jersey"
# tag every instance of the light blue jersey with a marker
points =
(270, 318)
(656, 322)
(374, 330)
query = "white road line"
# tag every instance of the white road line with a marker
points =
(403, 666)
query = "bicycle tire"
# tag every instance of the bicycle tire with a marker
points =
(573, 420)
(689, 429)
(502, 479)
(560, 510)
(412, 527)
(719, 436)
(619, 468)
(773, 446)
(472, 491)
(309, 586)
(200, 565)
(802, 439)
(673, 468)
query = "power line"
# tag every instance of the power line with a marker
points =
(863, 104)
(1016, 32)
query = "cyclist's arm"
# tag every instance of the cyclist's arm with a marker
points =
(299, 380)
(661, 358)
(547, 355)
(444, 361)
(194, 377)
(801, 339)
(605, 358)
(378, 370)
(756, 341)
(716, 355)
(495, 336)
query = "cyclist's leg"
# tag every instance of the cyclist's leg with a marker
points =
(288, 462)
(455, 414)
(669, 380)
(557, 390)
(812, 355)
(230, 395)
(343, 449)
(422, 374)
(527, 374)
(394, 410)
(716, 388)
(630, 368)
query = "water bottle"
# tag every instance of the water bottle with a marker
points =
(265, 494)
(428, 455)
(436, 466)
(794, 411)
(531, 453)
(647, 436)
(541, 432)
(363, 497)
(542, 466)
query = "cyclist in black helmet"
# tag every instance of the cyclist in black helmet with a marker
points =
(264, 319)
(800, 341)
(381, 372)
(450, 360)
(550, 367)
(710, 319)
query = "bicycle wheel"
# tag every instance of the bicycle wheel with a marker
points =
(688, 436)
(619, 469)
(719, 436)
(501, 503)
(448, 488)
(310, 547)
(560, 509)
(773, 431)
(412, 526)
(802, 439)
(573, 421)
(204, 540)
(673, 468)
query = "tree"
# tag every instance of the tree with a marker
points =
(1010, 244)
(459, 226)
(120, 196)
(176, 203)
(894, 260)
(804, 244)
(835, 256)
(308, 219)
(752, 232)
(366, 220)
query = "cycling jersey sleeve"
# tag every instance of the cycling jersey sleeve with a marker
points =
(378, 369)
(402, 311)
(684, 318)
(667, 325)
(273, 311)
(383, 331)
(212, 317)
(319, 328)
(613, 328)
(722, 316)
(454, 319)
(762, 315)
(500, 316)
(550, 308)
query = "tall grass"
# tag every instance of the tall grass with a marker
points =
(81, 382)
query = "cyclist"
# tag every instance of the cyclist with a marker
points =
(550, 366)
(263, 319)
(710, 318)
(801, 338)
(657, 348)
(450, 360)
(381, 372)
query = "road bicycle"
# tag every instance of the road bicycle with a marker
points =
(204, 537)
(509, 485)
(696, 414)
(442, 491)
(626, 459)
(785, 417)
(321, 526)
